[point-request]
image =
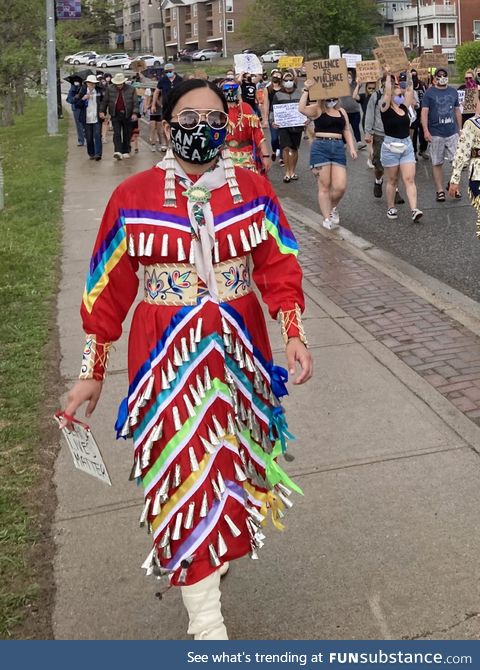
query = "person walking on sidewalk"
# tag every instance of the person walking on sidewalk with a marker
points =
(121, 101)
(468, 150)
(327, 154)
(290, 138)
(203, 402)
(75, 87)
(420, 144)
(272, 88)
(397, 154)
(88, 102)
(166, 83)
(351, 104)
(441, 121)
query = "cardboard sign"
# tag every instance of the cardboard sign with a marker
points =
(200, 74)
(422, 73)
(138, 65)
(368, 70)
(85, 452)
(247, 63)
(288, 116)
(290, 61)
(330, 77)
(433, 60)
(378, 53)
(393, 52)
(352, 59)
(470, 100)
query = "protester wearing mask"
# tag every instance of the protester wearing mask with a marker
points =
(273, 86)
(469, 85)
(75, 86)
(89, 101)
(420, 145)
(350, 103)
(249, 91)
(121, 101)
(364, 98)
(290, 138)
(165, 84)
(200, 364)
(245, 138)
(397, 155)
(441, 121)
(327, 155)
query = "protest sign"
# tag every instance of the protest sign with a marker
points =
(393, 52)
(378, 53)
(330, 77)
(84, 449)
(247, 63)
(352, 59)
(334, 51)
(422, 73)
(470, 101)
(461, 99)
(288, 116)
(290, 61)
(368, 70)
(433, 60)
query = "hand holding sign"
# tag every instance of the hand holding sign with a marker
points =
(330, 78)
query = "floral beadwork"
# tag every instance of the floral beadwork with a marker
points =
(166, 283)
(237, 278)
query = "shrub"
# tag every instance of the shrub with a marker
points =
(467, 56)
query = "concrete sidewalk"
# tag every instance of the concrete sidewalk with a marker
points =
(384, 544)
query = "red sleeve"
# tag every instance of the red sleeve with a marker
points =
(110, 290)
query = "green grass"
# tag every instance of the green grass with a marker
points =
(33, 166)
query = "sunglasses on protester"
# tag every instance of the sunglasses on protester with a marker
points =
(188, 119)
(331, 99)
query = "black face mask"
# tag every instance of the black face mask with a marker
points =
(199, 145)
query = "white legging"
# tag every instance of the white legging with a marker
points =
(202, 601)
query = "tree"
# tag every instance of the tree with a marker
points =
(310, 26)
(467, 56)
(92, 29)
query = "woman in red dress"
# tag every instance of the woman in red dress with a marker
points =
(203, 402)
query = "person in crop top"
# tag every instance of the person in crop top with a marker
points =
(397, 154)
(327, 155)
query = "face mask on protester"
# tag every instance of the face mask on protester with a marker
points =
(276, 80)
(398, 99)
(199, 145)
(442, 81)
(76, 83)
(231, 93)
(288, 84)
(331, 103)
(170, 74)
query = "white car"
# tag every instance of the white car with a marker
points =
(88, 58)
(149, 59)
(272, 56)
(206, 54)
(114, 60)
(69, 59)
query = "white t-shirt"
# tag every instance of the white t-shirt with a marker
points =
(92, 116)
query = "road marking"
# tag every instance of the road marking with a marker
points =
(379, 616)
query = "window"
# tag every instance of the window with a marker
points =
(230, 26)
(220, 26)
(195, 10)
(229, 5)
(476, 30)
(174, 12)
(174, 32)
(195, 29)
(429, 28)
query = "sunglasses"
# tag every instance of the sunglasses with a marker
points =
(468, 78)
(331, 99)
(188, 119)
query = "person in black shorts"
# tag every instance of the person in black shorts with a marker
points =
(290, 138)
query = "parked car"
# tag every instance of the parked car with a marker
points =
(88, 58)
(186, 53)
(206, 54)
(148, 59)
(272, 56)
(114, 60)
(69, 59)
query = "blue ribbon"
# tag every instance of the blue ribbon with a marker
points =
(279, 422)
(122, 416)
(279, 377)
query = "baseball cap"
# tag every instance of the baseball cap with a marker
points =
(441, 72)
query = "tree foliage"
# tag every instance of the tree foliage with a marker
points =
(467, 56)
(309, 26)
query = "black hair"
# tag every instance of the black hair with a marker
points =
(185, 87)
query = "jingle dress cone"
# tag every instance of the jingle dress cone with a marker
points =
(202, 404)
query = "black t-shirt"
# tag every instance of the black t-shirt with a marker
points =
(248, 93)
(395, 125)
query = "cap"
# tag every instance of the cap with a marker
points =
(441, 71)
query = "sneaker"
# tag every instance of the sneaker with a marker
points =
(329, 224)
(416, 214)
(370, 164)
(273, 157)
(163, 147)
(281, 163)
(377, 189)
(118, 155)
(278, 153)
(398, 199)
(98, 158)
(125, 155)
(334, 216)
(392, 213)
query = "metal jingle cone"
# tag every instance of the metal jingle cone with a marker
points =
(191, 255)
(149, 561)
(242, 411)
(193, 460)
(214, 560)
(253, 553)
(164, 249)
(286, 501)
(266, 443)
(177, 476)
(256, 434)
(131, 245)
(176, 418)
(177, 529)
(204, 506)
(198, 330)
(181, 255)
(216, 252)
(146, 452)
(263, 231)
(193, 344)
(165, 382)
(221, 545)
(125, 432)
(184, 565)
(225, 327)
(230, 425)
(235, 530)
(149, 245)
(213, 438)
(255, 514)
(245, 245)
(220, 431)
(184, 350)
(216, 491)
(250, 418)
(258, 236)
(188, 404)
(156, 507)
(241, 453)
(209, 449)
(188, 522)
(144, 514)
(148, 390)
(132, 476)
(170, 371)
(196, 398)
(163, 490)
(221, 483)
(177, 358)
(240, 425)
(284, 489)
(167, 552)
(249, 363)
(239, 473)
(138, 468)
(165, 538)
(207, 378)
(200, 387)
(227, 340)
(236, 351)
(157, 432)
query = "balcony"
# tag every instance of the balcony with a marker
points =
(445, 42)
(425, 12)
(135, 16)
(119, 21)
(135, 34)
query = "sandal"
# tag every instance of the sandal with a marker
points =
(294, 177)
(440, 196)
(286, 179)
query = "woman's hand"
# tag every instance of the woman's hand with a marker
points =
(84, 390)
(453, 189)
(297, 352)
(308, 84)
(266, 162)
(353, 153)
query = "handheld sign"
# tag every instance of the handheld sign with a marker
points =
(393, 52)
(433, 60)
(330, 77)
(288, 116)
(368, 70)
(290, 61)
(85, 452)
(352, 59)
(378, 53)
(470, 101)
(334, 51)
(247, 63)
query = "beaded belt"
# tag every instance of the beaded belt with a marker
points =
(178, 283)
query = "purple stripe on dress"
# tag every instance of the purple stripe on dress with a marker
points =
(98, 255)
(241, 209)
(157, 216)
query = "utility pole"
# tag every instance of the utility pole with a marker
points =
(52, 112)
(419, 37)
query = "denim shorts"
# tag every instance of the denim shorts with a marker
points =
(390, 158)
(326, 151)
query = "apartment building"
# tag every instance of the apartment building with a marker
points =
(140, 27)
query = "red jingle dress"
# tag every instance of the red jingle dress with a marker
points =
(244, 137)
(203, 400)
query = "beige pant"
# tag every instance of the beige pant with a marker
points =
(202, 601)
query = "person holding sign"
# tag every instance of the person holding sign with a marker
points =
(468, 151)
(290, 137)
(203, 399)
(327, 155)
(397, 154)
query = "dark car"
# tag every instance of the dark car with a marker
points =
(186, 53)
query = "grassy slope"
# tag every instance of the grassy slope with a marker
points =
(29, 249)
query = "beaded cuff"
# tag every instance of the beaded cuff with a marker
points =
(94, 359)
(291, 324)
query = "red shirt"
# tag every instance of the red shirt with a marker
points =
(120, 103)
